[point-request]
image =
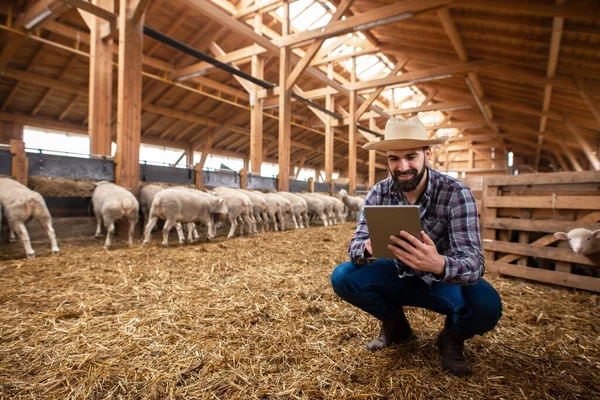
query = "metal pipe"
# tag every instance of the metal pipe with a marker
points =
(161, 37)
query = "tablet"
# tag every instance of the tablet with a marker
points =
(385, 221)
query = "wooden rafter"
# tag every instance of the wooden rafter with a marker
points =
(314, 48)
(364, 21)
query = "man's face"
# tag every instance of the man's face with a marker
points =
(407, 167)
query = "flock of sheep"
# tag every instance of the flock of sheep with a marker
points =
(179, 207)
(183, 207)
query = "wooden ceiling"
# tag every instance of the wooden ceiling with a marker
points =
(526, 74)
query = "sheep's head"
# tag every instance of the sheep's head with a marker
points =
(581, 240)
(343, 193)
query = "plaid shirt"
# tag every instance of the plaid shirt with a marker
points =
(448, 216)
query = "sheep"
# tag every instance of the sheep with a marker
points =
(237, 208)
(329, 207)
(274, 210)
(176, 205)
(300, 207)
(259, 207)
(147, 193)
(353, 203)
(20, 204)
(316, 206)
(286, 208)
(111, 203)
(581, 240)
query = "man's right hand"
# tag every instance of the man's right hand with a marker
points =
(368, 247)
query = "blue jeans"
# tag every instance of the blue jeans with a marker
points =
(376, 289)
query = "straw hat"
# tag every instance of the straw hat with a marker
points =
(402, 134)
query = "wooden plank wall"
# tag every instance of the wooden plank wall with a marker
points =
(519, 216)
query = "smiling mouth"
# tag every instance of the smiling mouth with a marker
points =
(404, 177)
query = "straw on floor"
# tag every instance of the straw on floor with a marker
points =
(255, 318)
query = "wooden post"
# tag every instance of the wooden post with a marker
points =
(352, 135)
(285, 108)
(10, 131)
(199, 176)
(100, 86)
(189, 154)
(243, 178)
(127, 169)
(256, 112)
(19, 161)
(331, 187)
(311, 185)
(329, 132)
(487, 214)
(372, 157)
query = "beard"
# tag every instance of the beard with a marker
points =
(411, 184)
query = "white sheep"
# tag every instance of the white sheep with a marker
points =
(353, 203)
(20, 204)
(183, 205)
(581, 240)
(111, 203)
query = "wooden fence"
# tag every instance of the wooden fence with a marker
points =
(519, 216)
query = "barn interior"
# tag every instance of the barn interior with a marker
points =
(301, 85)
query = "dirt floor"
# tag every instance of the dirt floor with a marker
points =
(255, 318)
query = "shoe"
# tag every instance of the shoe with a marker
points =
(394, 329)
(451, 347)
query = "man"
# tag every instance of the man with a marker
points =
(441, 272)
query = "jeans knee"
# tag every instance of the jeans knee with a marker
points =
(340, 280)
(489, 314)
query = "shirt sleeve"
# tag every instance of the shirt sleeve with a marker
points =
(356, 249)
(464, 262)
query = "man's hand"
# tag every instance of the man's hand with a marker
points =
(368, 247)
(422, 256)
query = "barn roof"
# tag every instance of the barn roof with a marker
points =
(503, 75)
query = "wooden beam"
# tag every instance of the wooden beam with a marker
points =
(129, 106)
(140, 9)
(329, 131)
(588, 98)
(557, 28)
(215, 49)
(424, 75)
(343, 57)
(84, 37)
(585, 146)
(365, 21)
(43, 122)
(203, 67)
(94, 9)
(314, 48)
(212, 12)
(364, 106)
(586, 11)
(100, 86)
(352, 134)
(43, 81)
(256, 113)
(262, 7)
(448, 106)
(285, 111)
(10, 131)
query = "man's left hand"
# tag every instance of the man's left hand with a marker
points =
(421, 256)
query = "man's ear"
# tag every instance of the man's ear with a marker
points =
(427, 153)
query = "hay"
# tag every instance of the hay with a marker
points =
(47, 186)
(255, 318)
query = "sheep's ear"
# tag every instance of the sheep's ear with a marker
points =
(596, 234)
(561, 235)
